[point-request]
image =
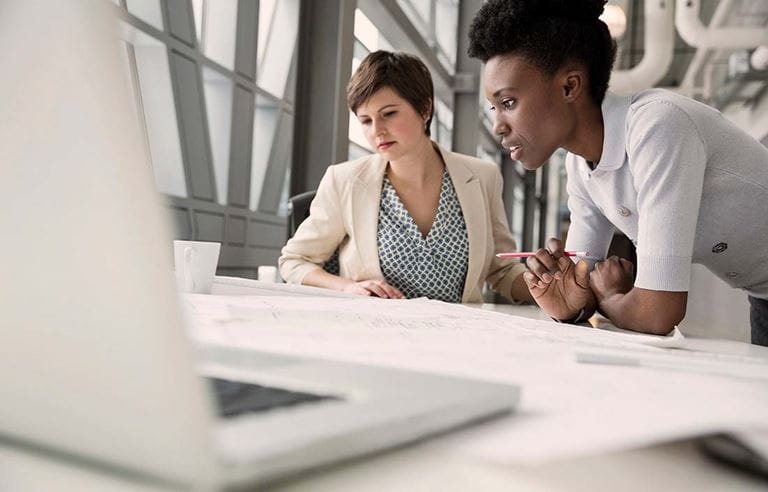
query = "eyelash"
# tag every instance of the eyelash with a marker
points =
(386, 115)
(504, 103)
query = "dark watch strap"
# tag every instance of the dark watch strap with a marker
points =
(579, 318)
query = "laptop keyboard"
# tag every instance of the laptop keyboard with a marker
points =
(236, 398)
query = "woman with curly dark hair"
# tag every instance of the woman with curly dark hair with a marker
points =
(683, 183)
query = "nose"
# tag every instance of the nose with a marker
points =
(500, 127)
(378, 126)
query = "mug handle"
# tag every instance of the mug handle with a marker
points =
(189, 281)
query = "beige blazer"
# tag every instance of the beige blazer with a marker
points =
(345, 215)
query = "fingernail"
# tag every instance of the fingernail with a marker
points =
(546, 278)
(558, 275)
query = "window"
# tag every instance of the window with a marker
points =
(442, 125)
(265, 120)
(278, 30)
(151, 79)
(218, 105)
(216, 28)
(438, 22)
(147, 10)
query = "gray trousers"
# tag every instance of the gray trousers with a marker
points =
(758, 318)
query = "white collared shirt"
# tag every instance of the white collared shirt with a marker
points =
(683, 183)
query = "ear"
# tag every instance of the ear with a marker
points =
(573, 84)
(427, 112)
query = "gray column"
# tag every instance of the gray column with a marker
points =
(466, 111)
(530, 204)
(543, 195)
(321, 130)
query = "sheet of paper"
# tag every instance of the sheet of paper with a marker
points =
(567, 408)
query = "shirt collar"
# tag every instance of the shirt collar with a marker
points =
(615, 109)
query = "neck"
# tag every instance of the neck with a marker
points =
(417, 167)
(587, 138)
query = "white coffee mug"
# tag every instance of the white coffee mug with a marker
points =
(195, 265)
(267, 273)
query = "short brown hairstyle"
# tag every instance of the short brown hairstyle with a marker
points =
(403, 73)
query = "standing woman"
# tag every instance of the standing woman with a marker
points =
(682, 182)
(411, 220)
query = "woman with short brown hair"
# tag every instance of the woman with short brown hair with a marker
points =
(413, 219)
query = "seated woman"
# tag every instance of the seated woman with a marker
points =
(412, 220)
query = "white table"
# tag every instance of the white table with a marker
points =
(429, 466)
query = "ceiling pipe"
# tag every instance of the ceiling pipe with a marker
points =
(688, 86)
(696, 34)
(659, 46)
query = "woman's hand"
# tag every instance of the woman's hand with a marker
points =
(378, 288)
(559, 287)
(610, 277)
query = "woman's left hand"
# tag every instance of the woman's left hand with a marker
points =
(610, 277)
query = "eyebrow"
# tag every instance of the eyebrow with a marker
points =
(381, 109)
(508, 88)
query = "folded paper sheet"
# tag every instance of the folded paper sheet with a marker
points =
(568, 408)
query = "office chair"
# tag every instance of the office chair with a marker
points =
(299, 211)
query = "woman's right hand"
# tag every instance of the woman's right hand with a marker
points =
(378, 288)
(560, 287)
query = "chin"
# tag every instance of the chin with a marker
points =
(531, 165)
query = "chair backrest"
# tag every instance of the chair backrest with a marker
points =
(299, 210)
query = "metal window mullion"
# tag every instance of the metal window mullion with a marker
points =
(133, 70)
(186, 50)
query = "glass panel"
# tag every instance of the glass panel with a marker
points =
(365, 31)
(147, 10)
(356, 134)
(355, 151)
(488, 155)
(264, 125)
(218, 105)
(518, 214)
(278, 27)
(446, 28)
(216, 27)
(445, 121)
(266, 12)
(282, 156)
(358, 53)
(368, 36)
(151, 78)
(197, 12)
(419, 12)
(283, 209)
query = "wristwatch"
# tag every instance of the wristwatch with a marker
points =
(572, 321)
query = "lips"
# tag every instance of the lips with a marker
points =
(385, 145)
(514, 151)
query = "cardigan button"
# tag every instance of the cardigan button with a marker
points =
(719, 247)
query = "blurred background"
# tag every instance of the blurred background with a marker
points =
(242, 105)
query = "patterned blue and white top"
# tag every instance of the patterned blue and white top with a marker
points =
(433, 267)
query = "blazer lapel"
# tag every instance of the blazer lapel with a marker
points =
(366, 195)
(473, 206)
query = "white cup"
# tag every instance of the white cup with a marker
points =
(267, 274)
(195, 265)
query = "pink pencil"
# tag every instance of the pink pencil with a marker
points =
(526, 254)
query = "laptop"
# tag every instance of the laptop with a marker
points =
(95, 365)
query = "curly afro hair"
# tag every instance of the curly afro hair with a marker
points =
(548, 33)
